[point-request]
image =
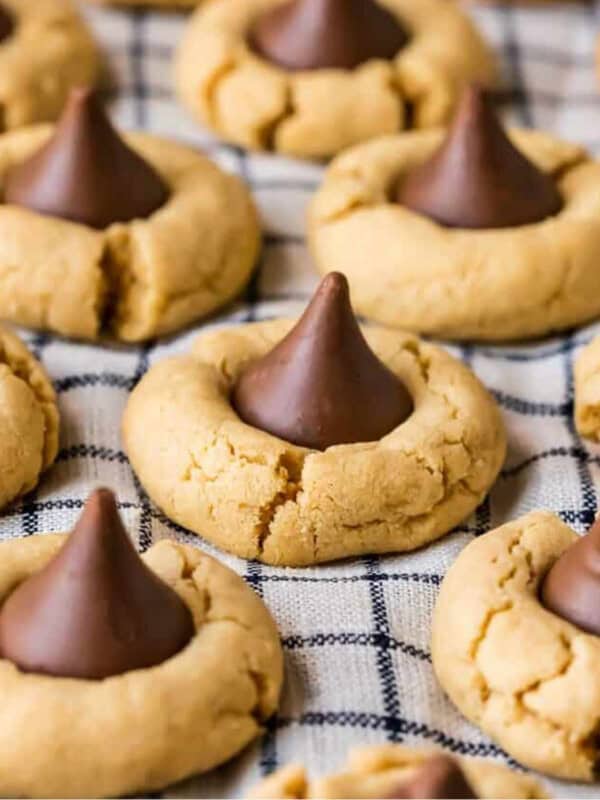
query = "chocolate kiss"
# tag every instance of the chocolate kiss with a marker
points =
(572, 587)
(440, 778)
(86, 173)
(322, 34)
(478, 179)
(322, 385)
(95, 609)
(7, 23)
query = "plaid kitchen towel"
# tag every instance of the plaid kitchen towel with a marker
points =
(356, 634)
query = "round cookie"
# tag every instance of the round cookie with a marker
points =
(135, 279)
(457, 283)
(185, 715)
(317, 113)
(49, 51)
(260, 497)
(29, 422)
(528, 678)
(377, 771)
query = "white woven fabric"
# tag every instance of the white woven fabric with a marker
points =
(356, 634)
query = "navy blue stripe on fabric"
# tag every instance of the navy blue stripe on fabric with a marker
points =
(372, 721)
(28, 509)
(147, 513)
(529, 408)
(347, 638)
(136, 53)
(383, 657)
(483, 513)
(93, 452)
(576, 452)
(427, 578)
(588, 492)
(268, 761)
(89, 380)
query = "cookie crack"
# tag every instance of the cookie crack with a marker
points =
(556, 297)
(424, 364)
(538, 683)
(485, 691)
(506, 605)
(267, 133)
(287, 472)
(366, 524)
(291, 472)
(195, 465)
(221, 439)
(455, 415)
(259, 679)
(117, 278)
(212, 85)
(261, 709)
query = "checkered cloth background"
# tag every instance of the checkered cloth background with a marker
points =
(356, 634)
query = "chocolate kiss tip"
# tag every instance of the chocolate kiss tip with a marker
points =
(95, 609)
(335, 282)
(86, 173)
(324, 34)
(7, 23)
(478, 179)
(440, 778)
(322, 385)
(571, 589)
